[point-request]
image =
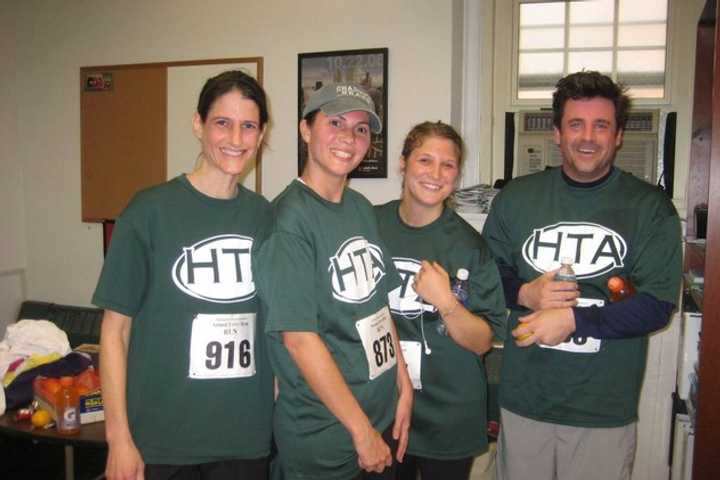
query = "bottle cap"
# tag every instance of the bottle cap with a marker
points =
(462, 274)
(566, 260)
(66, 381)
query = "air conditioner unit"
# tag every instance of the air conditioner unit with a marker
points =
(536, 148)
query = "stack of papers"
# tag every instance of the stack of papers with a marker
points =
(475, 199)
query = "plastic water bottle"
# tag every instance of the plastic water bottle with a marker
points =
(459, 288)
(566, 272)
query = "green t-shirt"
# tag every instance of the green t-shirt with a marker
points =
(199, 384)
(623, 226)
(324, 269)
(449, 418)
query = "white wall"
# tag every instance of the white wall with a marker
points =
(12, 219)
(54, 39)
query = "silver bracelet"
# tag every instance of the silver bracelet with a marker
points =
(451, 310)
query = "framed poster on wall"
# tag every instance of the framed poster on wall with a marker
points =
(367, 68)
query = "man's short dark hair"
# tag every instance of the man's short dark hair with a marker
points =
(586, 85)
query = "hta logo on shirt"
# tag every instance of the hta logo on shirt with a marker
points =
(404, 300)
(217, 269)
(595, 249)
(355, 270)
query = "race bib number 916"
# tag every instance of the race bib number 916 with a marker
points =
(222, 346)
(377, 340)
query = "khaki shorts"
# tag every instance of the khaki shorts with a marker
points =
(529, 449)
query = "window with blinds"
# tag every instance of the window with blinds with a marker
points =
(625, 39)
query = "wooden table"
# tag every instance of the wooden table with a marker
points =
(91, 435)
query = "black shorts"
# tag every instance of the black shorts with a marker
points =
(253, 469)
(389, 472)
(434, 469)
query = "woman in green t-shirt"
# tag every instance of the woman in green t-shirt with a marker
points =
(186, 382)
(344, 395)
(442, 335)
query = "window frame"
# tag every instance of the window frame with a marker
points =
(539, 102)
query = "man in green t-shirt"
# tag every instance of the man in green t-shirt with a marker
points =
(574, 362)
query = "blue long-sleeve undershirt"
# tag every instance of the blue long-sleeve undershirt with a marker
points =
(635, 316)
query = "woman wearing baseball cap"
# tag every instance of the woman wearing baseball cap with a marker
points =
(343, 410)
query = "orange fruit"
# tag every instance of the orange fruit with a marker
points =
(40, 418)
(88, 381)
(524, 337)
(615, 284)
(52, 385)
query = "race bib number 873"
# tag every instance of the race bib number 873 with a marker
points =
(377, 341)
(222, 346)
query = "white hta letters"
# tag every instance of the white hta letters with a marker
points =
(217, 269)
(355, 269)
(595, 249)
(404, 300)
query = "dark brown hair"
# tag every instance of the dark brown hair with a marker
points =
(586, 85)
(225, 82)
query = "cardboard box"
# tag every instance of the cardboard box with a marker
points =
(91, 407)
(46, 389)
